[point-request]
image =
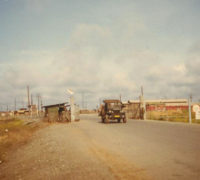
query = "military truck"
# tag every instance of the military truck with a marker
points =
(111, 109)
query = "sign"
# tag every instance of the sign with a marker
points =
(196, 109)
(197, 115)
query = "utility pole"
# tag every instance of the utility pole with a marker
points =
(31, 99)
(38, 109)
(28, 97)
(99, 102)
(142, 93)
(22, 103)
(189, 109)
(83, 103)
(120, 98)
(41, 103)
(15, 104)
(143, 104)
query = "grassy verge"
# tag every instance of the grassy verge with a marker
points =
(171, 115)
(14, 133)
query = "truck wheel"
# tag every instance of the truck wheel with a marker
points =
(124, 120)
(106, 119)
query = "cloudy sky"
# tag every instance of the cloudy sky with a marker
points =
(99, 49)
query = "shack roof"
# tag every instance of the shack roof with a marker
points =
(56, 105)
(111, 101)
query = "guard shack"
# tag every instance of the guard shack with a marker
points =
(57, 112)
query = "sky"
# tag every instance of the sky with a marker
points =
(98, 49)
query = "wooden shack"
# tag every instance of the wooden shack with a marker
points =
(57, 112)
(132, 109)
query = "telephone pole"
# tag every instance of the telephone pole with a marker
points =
(38, 109)
(41, 103)
(31, 99)
(142, 93)
(189, 109)
(15, 104)
(143, 104)
(28, 97)
(83, 100)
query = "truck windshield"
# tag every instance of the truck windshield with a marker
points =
(115, 106)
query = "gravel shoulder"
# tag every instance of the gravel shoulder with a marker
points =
(65, 151)
(91, 150)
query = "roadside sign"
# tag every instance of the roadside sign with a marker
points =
(196, 109)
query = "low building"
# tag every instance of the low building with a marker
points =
(134, 110)
(22, 111)
(57, 112)
(166, 104)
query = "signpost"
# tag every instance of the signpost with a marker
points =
(72, 104)
(189, 110)
(196, 109)
(74, 108)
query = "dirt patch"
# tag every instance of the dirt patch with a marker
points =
(14, 133)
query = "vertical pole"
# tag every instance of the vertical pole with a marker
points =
(144, 109)
(31, 105)
(72, 108)
(83, 100)
(31, 99)
(15, 104)
(28, 97)
(189, 110)
(142, 90)
(41, 104)
(38, 108)
(143, 104)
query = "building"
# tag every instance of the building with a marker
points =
(57, 112)
(134, 110)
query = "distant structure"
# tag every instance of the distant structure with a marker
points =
(133, 107)
(57, 112)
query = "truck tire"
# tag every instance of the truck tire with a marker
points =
(106, 119)
(124, 120)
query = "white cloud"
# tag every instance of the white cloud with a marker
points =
(95, 61)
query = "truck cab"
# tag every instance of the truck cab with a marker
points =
(112, 110)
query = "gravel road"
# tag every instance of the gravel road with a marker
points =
(89, 149)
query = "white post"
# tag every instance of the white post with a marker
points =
(72, 108)
(144, 106)
(189, 110)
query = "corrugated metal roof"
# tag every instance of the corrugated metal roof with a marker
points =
(54, 105)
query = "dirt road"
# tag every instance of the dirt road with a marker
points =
(91, 150)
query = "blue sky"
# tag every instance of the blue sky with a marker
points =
(102, 48)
